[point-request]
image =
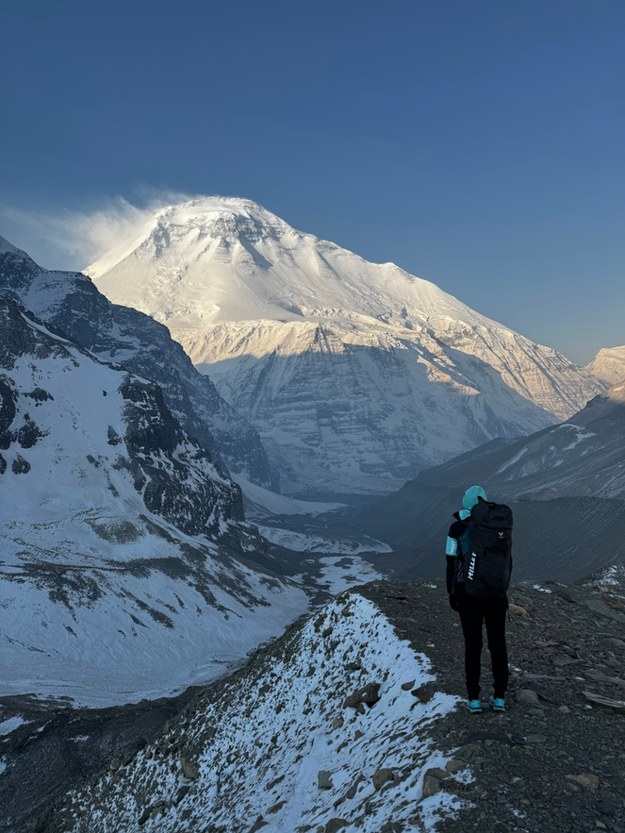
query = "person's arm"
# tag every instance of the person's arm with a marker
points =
(452, 553)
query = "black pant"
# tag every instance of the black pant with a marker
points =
(473, 613)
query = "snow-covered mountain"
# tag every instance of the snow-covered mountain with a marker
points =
(355, 374)
(124, 570)
(609, 365)
(70, 302)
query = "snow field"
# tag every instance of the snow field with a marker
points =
(260, 747)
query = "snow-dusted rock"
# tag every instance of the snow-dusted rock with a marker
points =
(277, 721)
(356, 374)
(70, 302)
(120, 575)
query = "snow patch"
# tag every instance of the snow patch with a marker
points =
(10, 725)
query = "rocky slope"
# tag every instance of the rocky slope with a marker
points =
(349, 721)
(70, 302)
(566, 485)
(356, 375)
(120, 540)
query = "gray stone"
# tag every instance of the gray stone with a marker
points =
(189, 766)
(437, 772)
(607, 806)
(588, 780)
(527, 697)
(368, 695)
(431, 785)
(536, 739)
(383, 776)
(335, 824)
(453, 767)
(324, 780)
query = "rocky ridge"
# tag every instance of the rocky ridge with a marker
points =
(70, 302)
(551, 762)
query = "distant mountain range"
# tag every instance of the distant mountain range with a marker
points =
(356, 375)
(566, 485)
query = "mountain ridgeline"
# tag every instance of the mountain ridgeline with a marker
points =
(356, 375)
(566, 485)
(122, 536)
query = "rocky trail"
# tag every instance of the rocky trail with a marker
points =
(554, 761)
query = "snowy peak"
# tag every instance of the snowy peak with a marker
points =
(195, 225)
(609, 364)
(224, 259)
(355, 374)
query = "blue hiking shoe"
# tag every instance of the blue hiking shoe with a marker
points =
(497, 704)
(474, 706)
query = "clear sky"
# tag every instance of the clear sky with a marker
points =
(477, 144)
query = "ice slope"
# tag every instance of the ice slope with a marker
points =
(356, 374)
(277, 748)
(120, 553)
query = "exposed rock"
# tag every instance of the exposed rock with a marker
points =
(189, 766)
(383, 776)
(431, 785)
(517, 610)
(324, 780)
(367, 695)
(527, 697)
(335, 824)
(585, 779)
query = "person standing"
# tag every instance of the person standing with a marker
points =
(479, 563)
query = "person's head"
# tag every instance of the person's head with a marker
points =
(471, 496)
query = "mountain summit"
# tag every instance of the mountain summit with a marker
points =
(356, 375)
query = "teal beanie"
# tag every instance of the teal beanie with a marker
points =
(471, 495)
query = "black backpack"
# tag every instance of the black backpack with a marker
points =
(486, 563)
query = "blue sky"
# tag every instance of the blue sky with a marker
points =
(477, 144)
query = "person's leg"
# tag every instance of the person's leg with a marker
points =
(496, 632)
(471, 616)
